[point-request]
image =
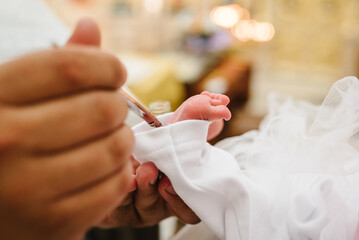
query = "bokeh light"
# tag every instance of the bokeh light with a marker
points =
(253, 30)
(243, 30)
(226, 16)
(264, 31)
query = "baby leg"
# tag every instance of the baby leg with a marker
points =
(204, 106)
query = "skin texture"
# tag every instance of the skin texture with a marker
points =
(204, 106)
(65, 153)
(154, 201)
(149, 201)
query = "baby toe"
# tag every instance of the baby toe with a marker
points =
(206, 93)
(224, 99)
(220, 99)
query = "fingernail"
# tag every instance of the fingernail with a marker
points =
(153, 181)
(171, 190)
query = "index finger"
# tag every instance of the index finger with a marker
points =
(57, 72)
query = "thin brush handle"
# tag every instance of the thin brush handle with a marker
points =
(140, 110)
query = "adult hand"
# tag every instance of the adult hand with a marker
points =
(152, 201)
(64, 149)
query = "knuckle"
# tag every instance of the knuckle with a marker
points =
(121, 147)
(122, 143)
(120, 73)
(106, 109)
(76, 66)
(71, 66)
(94, 159)
(121, 105)
(13, 130)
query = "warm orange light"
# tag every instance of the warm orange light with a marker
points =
(243, 30)
(264, 31)
(252, 30)
(226, 16)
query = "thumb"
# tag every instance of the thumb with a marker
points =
(86, 32)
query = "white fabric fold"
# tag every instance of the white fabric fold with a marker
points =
(180, 151)
(297, 177)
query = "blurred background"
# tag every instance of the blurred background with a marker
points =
(246, 49)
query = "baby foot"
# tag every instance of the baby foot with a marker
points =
(205, 106)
